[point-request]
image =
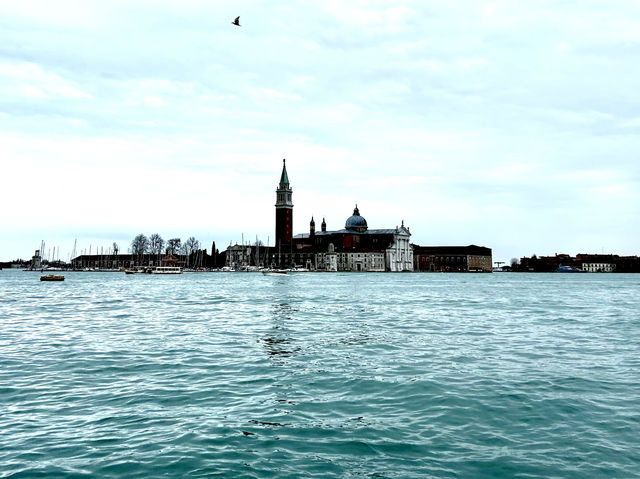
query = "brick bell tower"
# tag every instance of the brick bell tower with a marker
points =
(284, 210)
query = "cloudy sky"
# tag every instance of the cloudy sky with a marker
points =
(513, 125)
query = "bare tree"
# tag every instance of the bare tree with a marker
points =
(191, 245)
(140, 244)
(173, 245)
(156, 243)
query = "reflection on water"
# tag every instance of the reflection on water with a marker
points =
(279, 346)
(282, 312)
(278, 342)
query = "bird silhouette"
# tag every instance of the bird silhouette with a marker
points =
(236, 22)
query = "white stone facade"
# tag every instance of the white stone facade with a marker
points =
(399, 254)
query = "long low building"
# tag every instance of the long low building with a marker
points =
(457, 259)
(196, 259)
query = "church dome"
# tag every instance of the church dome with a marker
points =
(356, 222)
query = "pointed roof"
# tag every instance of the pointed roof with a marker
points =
(284, 178)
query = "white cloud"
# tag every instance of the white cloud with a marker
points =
(266, 95)
(154, 101)
(32, 81)
(453, 116)
(366, 14)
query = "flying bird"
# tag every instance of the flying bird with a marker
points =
(236, 22)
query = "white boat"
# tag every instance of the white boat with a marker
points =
(275, 272)
(137, 270)
(166, 270)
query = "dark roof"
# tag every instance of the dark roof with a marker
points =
(389, 231)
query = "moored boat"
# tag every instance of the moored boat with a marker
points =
(138, 270)
(52, 277)
(569, 269)
(166, 270)
(275, 272)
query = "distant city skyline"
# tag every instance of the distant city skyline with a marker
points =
(511, 126)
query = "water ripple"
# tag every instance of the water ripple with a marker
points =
(320, 375)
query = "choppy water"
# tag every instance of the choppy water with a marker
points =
(320, 375)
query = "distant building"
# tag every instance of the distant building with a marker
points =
(546, 264)
(238, 256)
(242, 257)
(592, 263)
(353, 248)
(599, 267)
(197, 259)
(36, 260)
(455, 259)
(627, 264)
(356, 247)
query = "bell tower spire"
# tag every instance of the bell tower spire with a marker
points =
(284, 209)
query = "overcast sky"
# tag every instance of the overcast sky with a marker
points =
(513, 125)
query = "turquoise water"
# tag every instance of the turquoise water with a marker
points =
(320, 375)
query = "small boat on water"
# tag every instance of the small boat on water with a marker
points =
(136, 271)
(52, 277)
(275, 272)
(569, 269)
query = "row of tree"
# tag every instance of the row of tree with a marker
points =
(154, 244)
